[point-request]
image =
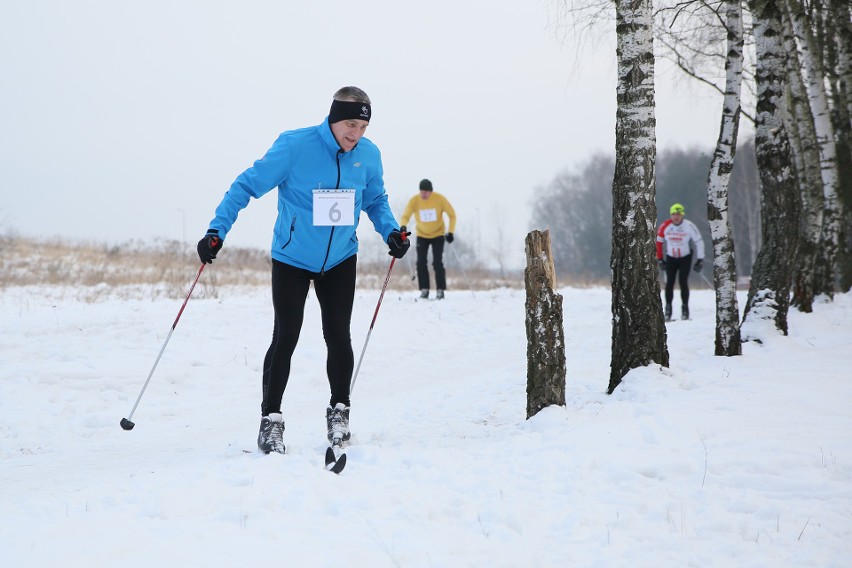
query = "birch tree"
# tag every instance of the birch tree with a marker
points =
(838, 19)
(828, 218)
(769, 292)
(837, 54)
(728, 342)
(801, 128)
(638, 329)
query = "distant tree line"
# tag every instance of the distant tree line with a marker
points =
(577, 208)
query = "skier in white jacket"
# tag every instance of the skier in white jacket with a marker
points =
(677, 233)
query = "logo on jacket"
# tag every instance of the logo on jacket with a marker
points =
(357, 164)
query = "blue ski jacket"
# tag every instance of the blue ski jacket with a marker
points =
(298, 163)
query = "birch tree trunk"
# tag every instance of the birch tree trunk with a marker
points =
(545, 333)
(638, 329)
(838, 25)
(801, 129)
(824, 136)
(840, 14)
(769, 292)
(728, 341)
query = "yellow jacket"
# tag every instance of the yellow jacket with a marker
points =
(430, 215)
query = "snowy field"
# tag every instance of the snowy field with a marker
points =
(742, 461)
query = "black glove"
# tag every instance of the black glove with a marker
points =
(398, 244)
(698, 265)
(661, 263)
(209, 246)
(404, 229)
(449, 237)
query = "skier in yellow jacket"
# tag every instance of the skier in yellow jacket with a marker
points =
(430, 229)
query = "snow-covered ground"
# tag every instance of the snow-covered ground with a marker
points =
(742, 461)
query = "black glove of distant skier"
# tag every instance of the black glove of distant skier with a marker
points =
(449, 237)
(209, 246)
(404, 229)
(398, 243)
(698, 265)
(661, 263)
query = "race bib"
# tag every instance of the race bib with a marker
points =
(334, 207)
(427, 215)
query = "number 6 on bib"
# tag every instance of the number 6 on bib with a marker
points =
(334, 207)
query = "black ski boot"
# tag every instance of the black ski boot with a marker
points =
(684, 313)
(271, 435)
(668, 312)
(337, 421)
(424, 293)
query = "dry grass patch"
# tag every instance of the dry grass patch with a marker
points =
(93, 271)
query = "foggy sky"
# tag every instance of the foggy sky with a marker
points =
(129, 120)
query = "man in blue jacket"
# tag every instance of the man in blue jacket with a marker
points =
(325, 175)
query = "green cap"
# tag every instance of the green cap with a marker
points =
(677, 208)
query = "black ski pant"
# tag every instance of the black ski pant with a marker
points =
(335, 290)
(437, 245)
(678, 268)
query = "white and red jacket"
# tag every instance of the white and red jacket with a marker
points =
(677, 239)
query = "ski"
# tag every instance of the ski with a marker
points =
(334, 462)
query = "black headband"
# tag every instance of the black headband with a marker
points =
(348, 110)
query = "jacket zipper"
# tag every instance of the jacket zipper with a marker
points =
(290, 236)
(331, 236)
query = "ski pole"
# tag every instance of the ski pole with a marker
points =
(372, 323)
(126, 423)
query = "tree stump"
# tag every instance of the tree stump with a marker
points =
(545, 335)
